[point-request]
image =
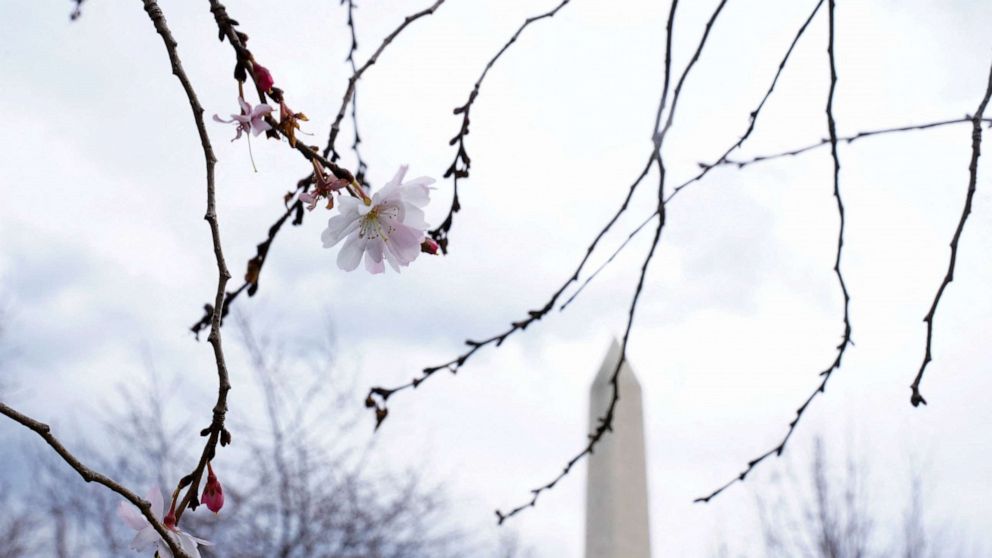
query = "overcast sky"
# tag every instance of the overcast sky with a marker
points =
(104, 253)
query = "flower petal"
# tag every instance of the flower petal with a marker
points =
(414, 218)
(188, 545)
(145, 539)
(417, 192)
(260, 110)
(405, 244)
(339, 227)
(351, 253)
(130, 515)
(373, 256)
(155, 497)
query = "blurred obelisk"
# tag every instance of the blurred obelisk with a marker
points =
(617, 524)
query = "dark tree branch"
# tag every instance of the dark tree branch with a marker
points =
(846, 340)
(216, 431)
(455, 172)
(90, 475)
(976, 151)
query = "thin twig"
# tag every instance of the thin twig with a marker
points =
(976, 150)
(362, 169)
(357, 74)
(846, 340)
(846, 139)
(706, 168)
(216, 431)
(89, 475)
(460, 165)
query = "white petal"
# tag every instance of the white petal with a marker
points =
(163, 549)
(145, 539)
(339, 227)
(418, 191)
(188, 545)
(131, 516)
(414, 218)
(398, 177)
(389, 257)
(155, 497)
(373, 257)
(351, 253)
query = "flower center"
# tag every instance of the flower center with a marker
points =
(376, 223)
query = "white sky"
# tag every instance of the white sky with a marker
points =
(103, 249)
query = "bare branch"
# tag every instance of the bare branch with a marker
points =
(216, 431)
(90, 475)
(357, 74)
(976, 151)
(846, 340)
(606, 421)
(440, 234)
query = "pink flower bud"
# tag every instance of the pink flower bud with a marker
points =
(263, 78)
(170, 518)
(429, 246)
(213, 493)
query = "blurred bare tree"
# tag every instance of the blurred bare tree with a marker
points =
(294, 488)
(828, 515)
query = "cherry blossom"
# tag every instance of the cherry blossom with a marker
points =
(323, 185)
(148, 538)
(250, 120)
(389, 227)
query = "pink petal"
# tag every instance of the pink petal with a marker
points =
(155, 497)
(373, 256)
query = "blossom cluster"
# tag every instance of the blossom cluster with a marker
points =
(388, 227)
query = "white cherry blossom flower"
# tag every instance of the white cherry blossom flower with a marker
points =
(148, 538)
(389, 227)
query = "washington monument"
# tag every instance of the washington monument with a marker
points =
(617, 524)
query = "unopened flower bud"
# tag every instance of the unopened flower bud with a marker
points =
(213, 493)
(263, 78)
(429, 246)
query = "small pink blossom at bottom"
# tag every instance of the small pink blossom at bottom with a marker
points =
(213, 492)
(388, 228)
(148, 538)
